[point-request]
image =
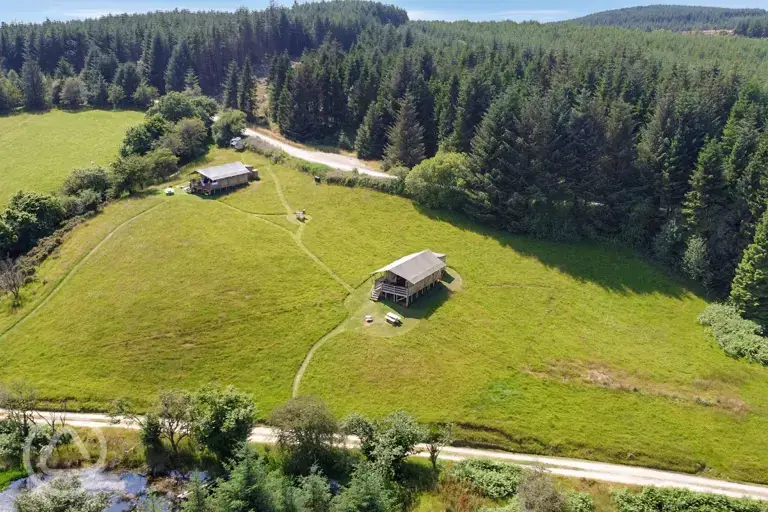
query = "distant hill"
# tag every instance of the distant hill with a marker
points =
(681, 18)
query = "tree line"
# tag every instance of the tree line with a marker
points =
(676, 18)
(129, 59)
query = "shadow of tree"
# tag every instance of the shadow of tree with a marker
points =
(614, 268)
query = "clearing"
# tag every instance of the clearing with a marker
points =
(37, 151)
(575, 350)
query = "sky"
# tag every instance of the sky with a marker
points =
(448, 10)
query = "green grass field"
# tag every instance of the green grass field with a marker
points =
(575, 350)
(37, 151)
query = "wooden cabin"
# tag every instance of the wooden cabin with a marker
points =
(409, 277)
(222, 177)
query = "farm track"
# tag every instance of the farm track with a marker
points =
(573, 468)
(66, 277)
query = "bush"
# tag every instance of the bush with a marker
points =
(145, 95)
(737, 336)
(580, 502)
(439, 182)
(92, 178)
(260, 147)
(161, 164)
(537, 493)
(495, 480)
(187, 140)
(230, 124)
(62, 493)
(141, 139)
(31, 216)
(653, 499)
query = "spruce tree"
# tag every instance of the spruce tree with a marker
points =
(178, 65)
(704, 203)
(278, 71)
(499, 174)
(230, 87)
(406, 137)
(128, 78)
(749, 292)
(369, 141)
(34, 86)
(245, 90)
(154, 61)
(192, 84)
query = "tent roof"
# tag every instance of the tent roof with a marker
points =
(224, 171)
(415, 267)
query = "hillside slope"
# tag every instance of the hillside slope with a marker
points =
(672, 17)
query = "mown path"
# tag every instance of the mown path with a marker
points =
(66, 277)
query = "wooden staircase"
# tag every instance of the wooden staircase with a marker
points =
(376, 291)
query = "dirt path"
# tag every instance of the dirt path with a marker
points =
(340, 162)
(574, 468)
(82, 261)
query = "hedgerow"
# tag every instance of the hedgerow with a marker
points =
(495, 480)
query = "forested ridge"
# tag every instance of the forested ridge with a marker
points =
(653, 140)
(678, 18)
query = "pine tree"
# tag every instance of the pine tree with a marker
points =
(98, 93)
(230, 87)
(474, 99)
(298, 108)
(278, 71)
(128, 78)
(63, 69)
(749, 292)
(447, 109)
(499, 174)
(370, 138)
(192, 84)
(245, 90)
(197, 498)
(178, 65)
(154, 60)
(406, 137)
(704, 203)
(34, 86)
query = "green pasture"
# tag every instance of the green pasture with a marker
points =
(37, 151)
(577, 350)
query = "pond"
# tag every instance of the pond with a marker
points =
(128, 489)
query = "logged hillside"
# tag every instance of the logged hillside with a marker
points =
(676, 18)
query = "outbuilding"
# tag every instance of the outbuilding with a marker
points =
(409, 277)
(222, 177)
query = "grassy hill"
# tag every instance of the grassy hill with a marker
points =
(37, 151)
(566, 349)
(672, 17)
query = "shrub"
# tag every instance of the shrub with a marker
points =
(142, 138)
(187, 140)
(258, 146)
(653, 499)
(695, 260)
(32, 216)
(737, 336)
(62, 493)
(439, 182)
(580, 502)
(145, 95)
(161, 164)
(230, 124)
(495, 480)
(91, 178)
(537, 493)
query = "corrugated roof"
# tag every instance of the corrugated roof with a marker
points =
(415, 267)
(224, 171)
